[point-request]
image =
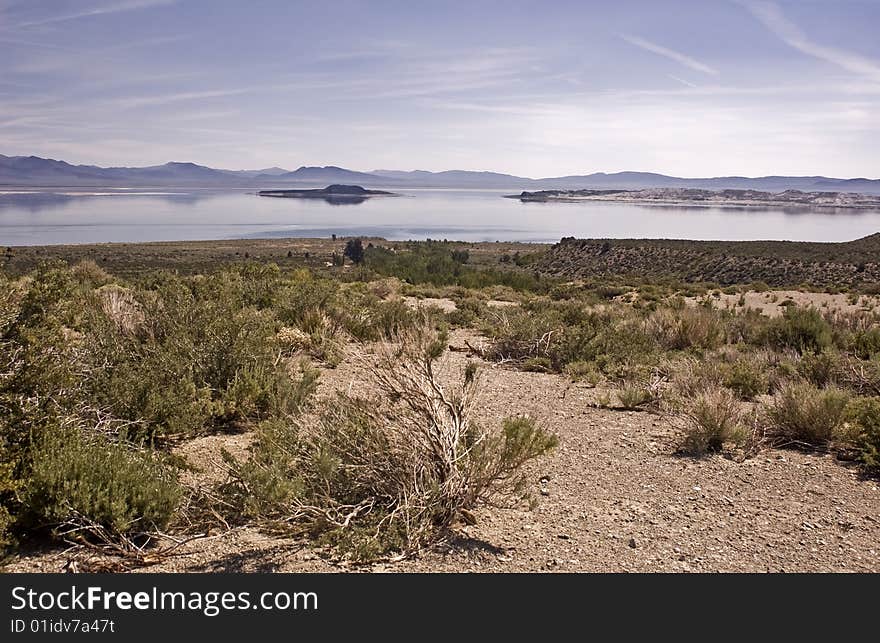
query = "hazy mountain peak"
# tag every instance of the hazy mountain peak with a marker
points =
(34, 170)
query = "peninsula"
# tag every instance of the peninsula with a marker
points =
(694, 196)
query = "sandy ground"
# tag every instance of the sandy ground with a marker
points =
(770, 302)
(446, 305)
(612, 497)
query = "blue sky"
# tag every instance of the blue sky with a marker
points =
(532, 88)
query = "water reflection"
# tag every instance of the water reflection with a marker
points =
(31, 217)
(791, 209)
(38, 201)
(341, 199)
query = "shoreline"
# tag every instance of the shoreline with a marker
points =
(698, 204)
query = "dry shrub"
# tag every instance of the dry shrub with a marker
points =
(582, 371)
(692, 376)
(713, 418)
(291, 339)
(860, 376)
(634, 395)
(820, 369)
(801, 413)
(121, 307)
(384, 288)
(678, 329)
(89, 272)
(321, 337)
(375, 476)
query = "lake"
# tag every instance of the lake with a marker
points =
(59, 216)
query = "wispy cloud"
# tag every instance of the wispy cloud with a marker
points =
(32, 43)
(684, 82)
(772, 17)
(165, 99)
(116, 7)
(64, 58)
(677, 56)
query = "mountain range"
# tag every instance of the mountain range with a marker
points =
(36, 171)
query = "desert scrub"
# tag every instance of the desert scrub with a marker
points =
(687, 327)
(468, 311)
(318, 334)
(38, 380)
(390, 474)
(81, 479)
(256, 393)
(634, 395)
(864, 415)
(801, 329)
(746, 377)
(820, 369)
(581, 371)
(445, 264)
(537, 365)
(866, 343)
(185, 356)
(692, 375)
(802, 413)
(713, 418)
(167, 358)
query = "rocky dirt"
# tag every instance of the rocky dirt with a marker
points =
(780, 264)
(614, 497)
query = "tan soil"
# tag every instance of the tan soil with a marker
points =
(500, 303)
(615, 498)
(769, 302)
(446, 305)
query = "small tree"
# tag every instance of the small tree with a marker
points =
(354, 250)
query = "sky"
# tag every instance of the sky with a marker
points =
(537, 88)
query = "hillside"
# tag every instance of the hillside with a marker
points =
(778, 263)
(36, 171)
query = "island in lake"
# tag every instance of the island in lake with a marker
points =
(692, 196)
(335, 194)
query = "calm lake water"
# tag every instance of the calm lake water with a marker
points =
(75, 216)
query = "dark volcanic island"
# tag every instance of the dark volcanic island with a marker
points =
(331, 194)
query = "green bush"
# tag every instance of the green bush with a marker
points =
(819, 369)
(200, 354)
(583, 371)
(80, 478)
(432, 262)
(864, 413)
(866, 343)
(303, 295)
(255, 392)
(746, 378)
(800, 329)
(800, 412)
(468, 311)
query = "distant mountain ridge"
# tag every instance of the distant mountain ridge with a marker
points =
(37, 171)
